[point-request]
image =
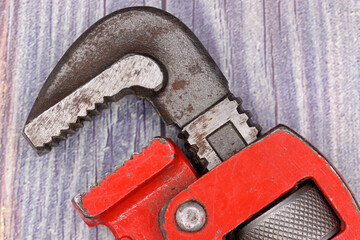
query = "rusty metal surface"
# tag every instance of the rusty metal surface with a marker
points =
(65, 116)
(192, 85)
(198, 133)
(194, 82)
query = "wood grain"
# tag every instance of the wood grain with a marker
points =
(292, 62)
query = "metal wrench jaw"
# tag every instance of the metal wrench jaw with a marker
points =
(192, 82)
(183, 84)
(131, 72)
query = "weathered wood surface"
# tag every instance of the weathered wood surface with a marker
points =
(292, 62)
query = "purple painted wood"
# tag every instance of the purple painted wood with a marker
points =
(292, 62)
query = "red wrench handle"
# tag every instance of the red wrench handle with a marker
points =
(251, 180)
(129, 200)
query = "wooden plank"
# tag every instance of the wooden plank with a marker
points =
(248, 66)
(6, 155)
(292, 62)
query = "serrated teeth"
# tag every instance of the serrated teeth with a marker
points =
(53, 144)
(94, 112)
(103, 105)
(78, 124)
(67, 131)
(86, 118)
(66, 116)
(224, 114)
(60, 137)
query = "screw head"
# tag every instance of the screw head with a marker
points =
(190, 216)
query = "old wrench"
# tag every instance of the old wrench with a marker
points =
(152, 54)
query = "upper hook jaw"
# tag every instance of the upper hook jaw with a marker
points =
(133, 73)
(191, 81)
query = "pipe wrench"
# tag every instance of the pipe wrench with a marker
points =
(239, 185)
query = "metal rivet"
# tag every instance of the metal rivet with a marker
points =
(190, 216)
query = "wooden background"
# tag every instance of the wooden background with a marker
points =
(292, 62)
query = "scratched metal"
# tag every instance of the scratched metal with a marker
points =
(65, 116)
(194, 81)
(292, 62)
(199, 131)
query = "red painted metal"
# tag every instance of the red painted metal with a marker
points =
(129, 200)
(254, 178)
